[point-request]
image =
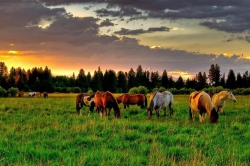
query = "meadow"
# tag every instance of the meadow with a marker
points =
(47, 131)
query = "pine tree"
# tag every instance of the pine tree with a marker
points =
(164, 79)
(231, 80)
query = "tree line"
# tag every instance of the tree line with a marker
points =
(41, 79)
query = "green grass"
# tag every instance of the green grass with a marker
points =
(39, 131)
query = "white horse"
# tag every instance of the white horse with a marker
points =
(160, 100)
(219, 99)
(200, 102)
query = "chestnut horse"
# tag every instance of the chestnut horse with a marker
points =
(132, 99)
(20, 94)
(106, 100)
(160, 100)
(201, 102)
(84, 99)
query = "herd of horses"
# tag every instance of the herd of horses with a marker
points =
(199, 101)
(33, 94)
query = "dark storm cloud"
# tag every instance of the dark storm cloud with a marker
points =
(125, 31)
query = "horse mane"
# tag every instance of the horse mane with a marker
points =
(114, 100)
(152, 100)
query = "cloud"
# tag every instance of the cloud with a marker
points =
(224, 15)
(106, 23)
(120, 12)
(125, 31)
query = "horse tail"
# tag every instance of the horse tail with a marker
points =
(146, 101)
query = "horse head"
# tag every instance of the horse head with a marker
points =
(231, 96)
(214, 116)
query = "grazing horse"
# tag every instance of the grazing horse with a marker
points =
(219, 99)
(104, 100)
(132, 99)
(119, 99)
(201, 102)
(45, 94)
(160, 100)
(20, 94)
(84, 99)
(32, 94)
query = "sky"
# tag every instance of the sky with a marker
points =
(179, 36)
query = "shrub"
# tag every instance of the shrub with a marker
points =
(133, 90)
(13, 91)
(2, 91)
(142, 90)
(90, 91)
(76, 90)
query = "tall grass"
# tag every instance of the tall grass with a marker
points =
(47, 131)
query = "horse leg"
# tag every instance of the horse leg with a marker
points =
(158, 113)
(191, 113)
(149, 113)
(200, 117)
(171, 111)
(124, 105)
(164, 110)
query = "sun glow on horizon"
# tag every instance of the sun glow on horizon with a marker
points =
(12, 52)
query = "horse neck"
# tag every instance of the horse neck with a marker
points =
(223, 96)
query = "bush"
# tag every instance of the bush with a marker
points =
(90, 91)
(13, 91)
(2, 91)
(136, 90)
(142, 90)
(133, 90)
(76, 90)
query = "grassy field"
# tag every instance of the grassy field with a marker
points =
(47, 131)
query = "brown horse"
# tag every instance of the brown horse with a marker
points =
(133, 99)
(202, 103)
(84, 99)
(104, 100)
(45, 94)
(20, 94)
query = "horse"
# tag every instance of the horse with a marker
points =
(45, 94)
(20, 94)
(34, 94)
(119, 99)
(132, 99)
(104, 100)
(219, 99)
(201, 102)
(160, 100)
(84, 99)
(31, 94)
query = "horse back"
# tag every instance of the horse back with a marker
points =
(97, 99)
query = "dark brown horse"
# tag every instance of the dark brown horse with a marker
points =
(84, 99)
(133, 99)
(20, 94)
(106, 100)
(45, 94)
